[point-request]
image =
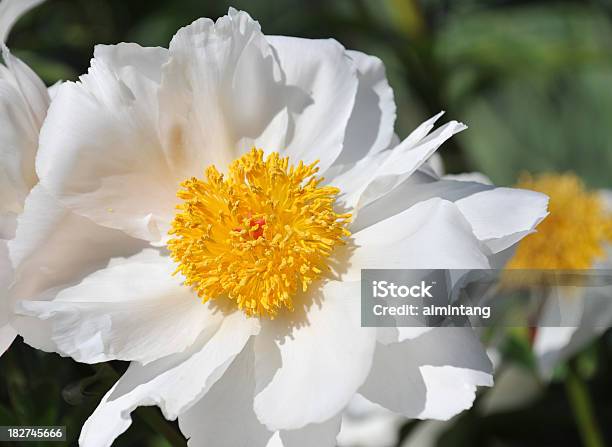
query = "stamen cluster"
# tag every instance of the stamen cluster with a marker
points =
(257, 235)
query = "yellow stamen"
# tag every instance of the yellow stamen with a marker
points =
(573, 235)
(258, 235)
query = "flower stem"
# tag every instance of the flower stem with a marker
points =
(582, 407)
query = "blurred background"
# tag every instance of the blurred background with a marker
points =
(532, 79)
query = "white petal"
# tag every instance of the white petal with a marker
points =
(23, 106)
(606, 197)
(326, 354)
(225, 416)
(374, 176)
(422, 130)
(419, 187)
(54, 248)
(140, 69)
(549, 345)
(515, 387)
(221, 90)
(130, 59)
(435, 165)
(427, 434)
(101, 156)
(54, 88)
(33, 91)
(451, 390)
(7, 333)
(323, 70)
(323, 434)
(563, 306)
(370, 127)
(433, 376)
(6, 269)
(388, 335)
(174, 383)
(133, 310)
(11, 11)
(429, 235)
(404, 159)
(502, 216)
(477, 177)
(366, 424)
(586, 315)
(499, 216)
(8, 226)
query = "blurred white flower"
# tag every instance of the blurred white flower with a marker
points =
(217, 345)
(366, 424)
(427, 433)
(576, 235)
(23, 105)
(470, 177)
(515, 387)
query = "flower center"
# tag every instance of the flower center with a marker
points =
(575, 232)
(258, 235)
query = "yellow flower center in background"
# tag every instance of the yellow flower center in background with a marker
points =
(258, 235)
(573, 235)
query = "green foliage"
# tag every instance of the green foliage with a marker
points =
(37, 388)
(534, 88)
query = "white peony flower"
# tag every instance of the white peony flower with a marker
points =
(23, 105)
(576, 235)
(272, 349)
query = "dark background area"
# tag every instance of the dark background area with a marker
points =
(532, 79)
